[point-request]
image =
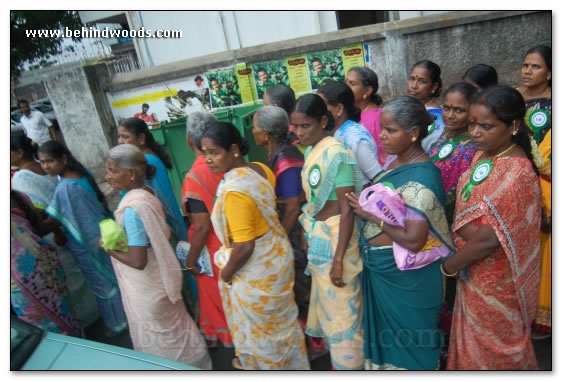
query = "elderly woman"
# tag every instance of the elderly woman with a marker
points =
(340, 102)
(364, 84)
(198, 193)
(536, 90)
(402, 306)
(330, 171)
(256, 259)
(497, 233)
(424, 84)
(148, 273)
(270, 130)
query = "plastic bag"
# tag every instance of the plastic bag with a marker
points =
(113, 235)
(203, 262)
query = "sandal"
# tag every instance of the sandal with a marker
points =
(236, 364)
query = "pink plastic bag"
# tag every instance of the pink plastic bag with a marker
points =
(387, 205)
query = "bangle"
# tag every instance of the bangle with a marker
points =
(188, 268)
(447, 274)
(381, 225)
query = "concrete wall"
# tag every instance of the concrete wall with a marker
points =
(78, 117)
(454, 40)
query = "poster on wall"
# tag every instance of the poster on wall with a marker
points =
(269, 73)
(352, 55)
(163, 101)
(298, 74)
(225, 89)
(246, 84)
(325, 65)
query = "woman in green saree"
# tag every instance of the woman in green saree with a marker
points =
(401, 307)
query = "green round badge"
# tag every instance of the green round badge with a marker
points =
(431, 127)
(314, 176)
(539, 120)
(478, 176)
(446, 151)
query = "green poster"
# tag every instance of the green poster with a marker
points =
(298, 74)
(246, 83)
(352, 55)
(269, 73)
(325, 65)
(224, 88)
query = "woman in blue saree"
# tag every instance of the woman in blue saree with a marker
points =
(78, 206)
(402, 306)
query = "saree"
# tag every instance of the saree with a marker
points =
(152, 297)
(496, 305)
(371, 120)
(79, 211)
(40, 188)
(38, 293)
(201, 184)
(453, 156)
(402, 307)
(259, 305)
(542, 135)
(285, 157)
(435, 130)
(334, 313)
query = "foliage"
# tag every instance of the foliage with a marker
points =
(277, 74)
(24, 48)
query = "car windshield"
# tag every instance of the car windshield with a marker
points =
(24, 338)
(16, 116)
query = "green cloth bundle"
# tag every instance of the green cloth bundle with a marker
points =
(113, 235)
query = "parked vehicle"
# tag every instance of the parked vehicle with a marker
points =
(32, 348)
(15, 116)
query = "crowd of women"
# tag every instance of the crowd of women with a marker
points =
(391, 234)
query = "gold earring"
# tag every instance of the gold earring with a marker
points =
(413, 139)
(364, 97)
(236, 155)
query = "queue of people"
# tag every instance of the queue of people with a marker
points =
(395, 234)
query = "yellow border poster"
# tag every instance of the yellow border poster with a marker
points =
(352, 55)
(243, 73)
(298, 74)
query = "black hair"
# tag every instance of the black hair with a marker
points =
(435, 73)
(30, 213)
(198, 78)
(312, 105)
(137, 126)
(508, 105)
(261, 70)
(146, 104)
(316, 59)
(225, 134)
(482, 74)
(57, 150)
(22, 101)
(545, 52)
(336, 92)
(19, 141)
(369, 78)
(282, 96)
(464, 88)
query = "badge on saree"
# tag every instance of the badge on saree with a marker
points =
(314, 176)
(445, 151)
(431, 127)
(478, 176)
(388, 185)
(539, 120)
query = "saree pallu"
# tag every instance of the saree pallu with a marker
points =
(201, 184)
(402, 307)
(435, 130)
(452, 166)
(40, 188)
(158, 321)
(79, 211)
(260, 305)
(38, 293)
(334, 313)
(495, 307)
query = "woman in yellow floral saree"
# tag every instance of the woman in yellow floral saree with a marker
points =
(256, 258)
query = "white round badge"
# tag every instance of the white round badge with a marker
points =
(481, 172)
(314, 177)
(445, 151)
(539, 118)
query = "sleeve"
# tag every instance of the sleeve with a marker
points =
(195, 206)
(288, 184)
(240, 212)
(135, 229)
(344, 176)
(367, 159)
(45, 120)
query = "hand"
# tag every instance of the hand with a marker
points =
(354, 202)
(304, 245)
(191, 266)
(60, 238)
(101, 243)
(226, 277)
(336, 274)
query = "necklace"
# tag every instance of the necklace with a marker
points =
(543, 94)
(412, 160)
(505, 151)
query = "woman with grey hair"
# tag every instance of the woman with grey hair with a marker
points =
(270, 130)
(148, 273)
(401, 305)
(198, 193)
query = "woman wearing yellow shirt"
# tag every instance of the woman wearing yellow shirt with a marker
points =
(256, 259)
